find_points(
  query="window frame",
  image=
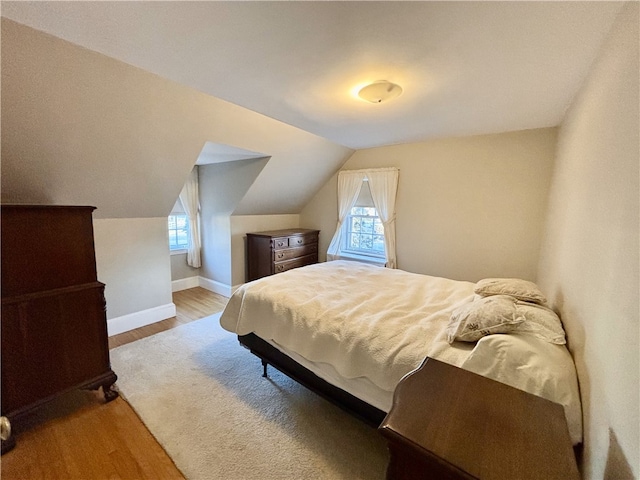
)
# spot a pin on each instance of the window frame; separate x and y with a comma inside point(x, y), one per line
point(364, 254)
point(178, 248)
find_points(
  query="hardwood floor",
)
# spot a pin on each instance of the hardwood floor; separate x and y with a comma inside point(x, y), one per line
point(80, 437)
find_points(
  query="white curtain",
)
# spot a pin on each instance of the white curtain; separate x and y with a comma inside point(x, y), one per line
point(383, 183)
point(349, 185)
point(189, 198)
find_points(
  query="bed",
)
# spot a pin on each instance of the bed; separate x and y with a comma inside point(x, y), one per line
point(351, 331)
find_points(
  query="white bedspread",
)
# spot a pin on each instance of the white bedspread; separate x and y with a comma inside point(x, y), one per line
point(379, 324)
point(364, 320)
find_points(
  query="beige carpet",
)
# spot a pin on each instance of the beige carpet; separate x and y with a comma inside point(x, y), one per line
point(203, 397)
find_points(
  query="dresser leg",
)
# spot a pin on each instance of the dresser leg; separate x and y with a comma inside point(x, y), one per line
point(264, 367)
point(109, 393)
point(107, 382)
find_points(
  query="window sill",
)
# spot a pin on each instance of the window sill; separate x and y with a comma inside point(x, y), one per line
point(380, 262)
point(178, 251)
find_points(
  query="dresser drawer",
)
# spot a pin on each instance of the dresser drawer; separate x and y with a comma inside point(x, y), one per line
point(301, 240)
point(280, 243)
point(290, 253)
point(298, 262)
point(294, 241)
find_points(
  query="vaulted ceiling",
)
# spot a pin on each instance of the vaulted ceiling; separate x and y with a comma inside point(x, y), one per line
point(115, 102)
point(81, 128)
point(466, 67)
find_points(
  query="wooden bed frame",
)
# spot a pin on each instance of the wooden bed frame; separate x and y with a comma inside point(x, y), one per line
point(274, 357)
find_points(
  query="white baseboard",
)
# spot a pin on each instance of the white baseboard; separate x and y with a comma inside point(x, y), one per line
point(216, 287)
point(185, 283)
point(140, 319)
point(211, 285)
point(146, 317)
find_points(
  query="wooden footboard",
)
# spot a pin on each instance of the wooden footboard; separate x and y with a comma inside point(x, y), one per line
point(274, 357)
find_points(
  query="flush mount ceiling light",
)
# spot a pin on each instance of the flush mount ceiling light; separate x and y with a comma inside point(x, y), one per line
point(380, 91)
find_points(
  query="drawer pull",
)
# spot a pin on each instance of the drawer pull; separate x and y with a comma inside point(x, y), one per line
point(281, 244)
point(280, 268)
point(299, 241)
point(280, 255)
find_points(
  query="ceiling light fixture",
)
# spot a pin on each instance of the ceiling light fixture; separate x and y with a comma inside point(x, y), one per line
point(380, 91)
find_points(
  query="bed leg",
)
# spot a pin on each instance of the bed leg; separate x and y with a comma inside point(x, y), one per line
point(264, 367)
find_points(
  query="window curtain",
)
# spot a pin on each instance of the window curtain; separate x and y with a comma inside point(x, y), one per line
point(383, 183)
point(349, 185)
point(189, 197)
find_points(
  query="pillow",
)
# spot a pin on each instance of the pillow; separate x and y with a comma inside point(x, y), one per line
point(520, 289)
point(541, 322)
point(484, 316)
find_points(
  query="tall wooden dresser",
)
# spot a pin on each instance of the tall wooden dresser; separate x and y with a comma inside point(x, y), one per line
point(277, 251)
point(54, 330)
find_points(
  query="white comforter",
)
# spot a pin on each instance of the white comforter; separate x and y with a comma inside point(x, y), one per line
point(365, 321)
point(380, 324)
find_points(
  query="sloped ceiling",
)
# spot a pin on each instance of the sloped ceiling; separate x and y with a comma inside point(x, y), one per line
point(217, 153)
point(81, 128)
point(119, 123)
point(466, 67)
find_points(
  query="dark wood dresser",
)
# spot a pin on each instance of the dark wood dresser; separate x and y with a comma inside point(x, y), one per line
point(277, 251)
point(447, 423)
point(54, 329)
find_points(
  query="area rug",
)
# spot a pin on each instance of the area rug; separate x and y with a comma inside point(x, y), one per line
point(203, 398)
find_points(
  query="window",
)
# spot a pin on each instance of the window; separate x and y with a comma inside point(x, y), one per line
point(361, 234)
point(178, 232)
point(364, 232)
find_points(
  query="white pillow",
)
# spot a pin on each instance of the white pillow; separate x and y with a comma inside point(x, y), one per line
point(520, 289)
point(541, 322)
point(484, 316)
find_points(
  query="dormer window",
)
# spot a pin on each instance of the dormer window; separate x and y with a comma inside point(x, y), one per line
point(178, 227)
point(178, 232)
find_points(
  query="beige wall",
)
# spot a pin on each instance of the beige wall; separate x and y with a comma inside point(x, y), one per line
point(221, 186)
point(132, 260)
point(467, 208)
point(180, 269)
point(589, 260)
point(81, 128)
